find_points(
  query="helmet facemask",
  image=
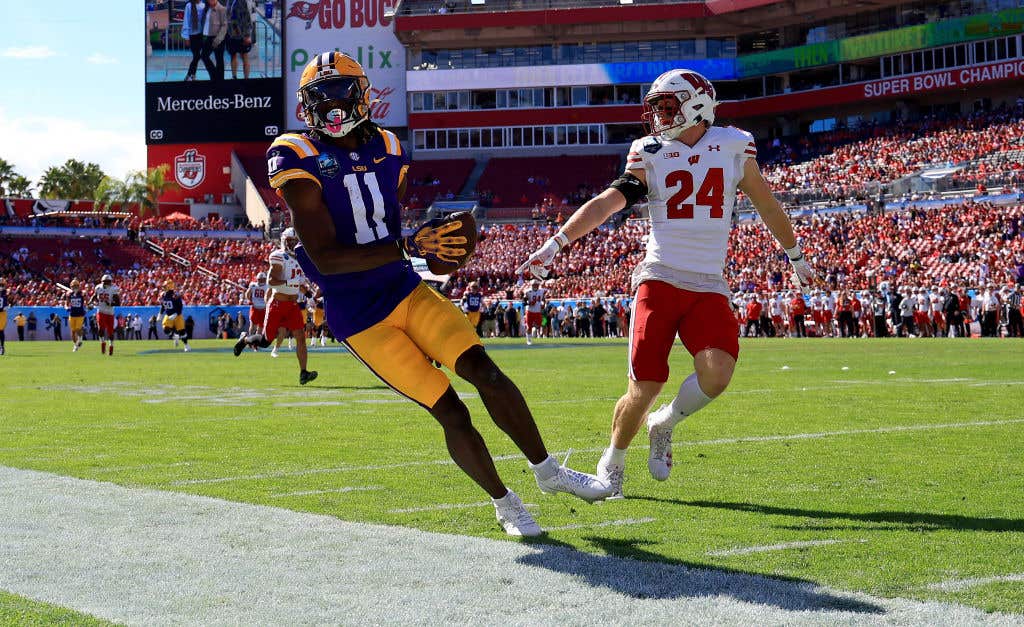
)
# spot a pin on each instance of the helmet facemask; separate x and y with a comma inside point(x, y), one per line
point(336, 105)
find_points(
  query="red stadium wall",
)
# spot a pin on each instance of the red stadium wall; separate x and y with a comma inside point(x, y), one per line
point(198, 169)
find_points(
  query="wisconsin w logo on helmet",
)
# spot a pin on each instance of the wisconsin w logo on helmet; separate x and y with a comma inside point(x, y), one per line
point(335, 94)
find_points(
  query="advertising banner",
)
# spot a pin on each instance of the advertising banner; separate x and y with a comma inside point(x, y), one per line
point(213, 70)
point(359, 29)
point(548, 75)
point(895, 87)
point(199, 168)
point(946, 32)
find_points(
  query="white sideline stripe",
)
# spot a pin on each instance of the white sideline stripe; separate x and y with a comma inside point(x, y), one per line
point(497, 458)
point(198, 560)
point(782, 546)
point(446, 506)
point(607, 523)
point(954, 585)
point(143, 467)
point(332, 491)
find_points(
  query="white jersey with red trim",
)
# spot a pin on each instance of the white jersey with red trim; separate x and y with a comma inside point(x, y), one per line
point(258, 295)
point(291, 272)
point(105, 298)
point(691, 194)
point(535, 300)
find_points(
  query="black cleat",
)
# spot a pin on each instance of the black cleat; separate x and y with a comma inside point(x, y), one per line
point(239, 346)
point(306, 376)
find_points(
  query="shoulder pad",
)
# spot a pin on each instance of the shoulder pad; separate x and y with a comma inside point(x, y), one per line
point(652, 145)
point(299, 144)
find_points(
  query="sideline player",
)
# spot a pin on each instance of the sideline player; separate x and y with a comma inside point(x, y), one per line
point(256, 294)
point(174, 320)
point(4, 304)
point(472, 302)
point(318, 319)
point(342, 182)
point(533, 305)
point(76, 314)
point(689, 171)
point(283, 312)
point(106, 296)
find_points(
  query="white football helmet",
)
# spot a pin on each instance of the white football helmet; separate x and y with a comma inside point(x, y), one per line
point(289, 239)
point(695, 97)
point(261, 278)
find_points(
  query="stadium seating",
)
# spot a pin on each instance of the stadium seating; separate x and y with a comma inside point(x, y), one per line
point(971, 243)
point(554, 181)
point(439, 179)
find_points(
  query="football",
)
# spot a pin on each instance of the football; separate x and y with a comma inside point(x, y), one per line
point(467, 229)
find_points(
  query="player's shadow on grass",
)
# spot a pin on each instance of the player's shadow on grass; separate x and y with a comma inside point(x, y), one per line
point(631, 570)
point(885, 521)
point(350, 387)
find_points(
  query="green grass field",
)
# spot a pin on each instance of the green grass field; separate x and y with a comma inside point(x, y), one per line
point(898, 461)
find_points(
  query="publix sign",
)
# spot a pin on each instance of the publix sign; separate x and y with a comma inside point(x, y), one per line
point(362, 31)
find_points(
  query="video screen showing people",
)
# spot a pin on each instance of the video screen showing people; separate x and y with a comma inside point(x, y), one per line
point(213, 40)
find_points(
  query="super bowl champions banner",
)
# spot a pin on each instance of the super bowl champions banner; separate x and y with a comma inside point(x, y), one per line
point(357, 28)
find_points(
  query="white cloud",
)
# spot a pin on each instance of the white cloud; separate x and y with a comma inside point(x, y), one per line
point(29, 52)
point(100, 59)
point(33, 143)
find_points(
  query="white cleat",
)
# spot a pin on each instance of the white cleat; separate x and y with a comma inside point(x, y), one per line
point(612, 474)
point(187, 349)
point(580, 484)
point(659, 461)
point(273, 353)
point(513, 517)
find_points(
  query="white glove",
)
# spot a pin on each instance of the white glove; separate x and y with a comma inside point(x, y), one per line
point(539, 263)
point(171, 317)
point(803, 274)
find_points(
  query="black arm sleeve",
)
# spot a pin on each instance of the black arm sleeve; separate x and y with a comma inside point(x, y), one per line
point(631, 187)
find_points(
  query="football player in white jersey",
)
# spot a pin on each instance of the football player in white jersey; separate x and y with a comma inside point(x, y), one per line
point(256, 294)
point(106, 296)
point(283, 312)
point(689, 171)
point(533, 303)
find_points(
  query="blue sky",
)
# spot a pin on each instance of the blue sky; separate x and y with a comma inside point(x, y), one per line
point(72, 84)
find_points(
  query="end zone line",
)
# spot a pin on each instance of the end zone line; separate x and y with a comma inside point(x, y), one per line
point(782, 546)
point(367, 488)
point(607, 523)
point(759, 438)
point(954, 585)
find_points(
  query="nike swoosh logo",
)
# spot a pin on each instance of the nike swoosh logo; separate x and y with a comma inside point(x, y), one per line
point(379, 160)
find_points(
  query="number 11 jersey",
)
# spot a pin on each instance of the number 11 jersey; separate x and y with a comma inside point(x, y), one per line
point(360, 189)
point(692, 192)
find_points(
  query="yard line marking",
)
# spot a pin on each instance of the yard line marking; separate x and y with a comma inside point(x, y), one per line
point(198, 560)
point(782, 546)
point(607, 523)
point(954, 585)
point(497, 458)
point(367, 488)
point(446, 506)
point(142, 467)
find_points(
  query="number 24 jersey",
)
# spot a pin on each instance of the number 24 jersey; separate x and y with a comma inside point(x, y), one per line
point(692, 192)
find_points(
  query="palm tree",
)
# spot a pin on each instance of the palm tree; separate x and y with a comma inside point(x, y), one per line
point(111, 192)
point(19, 187)
point(7, 173)
point(72, 181)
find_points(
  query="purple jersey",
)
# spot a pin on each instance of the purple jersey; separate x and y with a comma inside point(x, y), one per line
point(360, 189)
